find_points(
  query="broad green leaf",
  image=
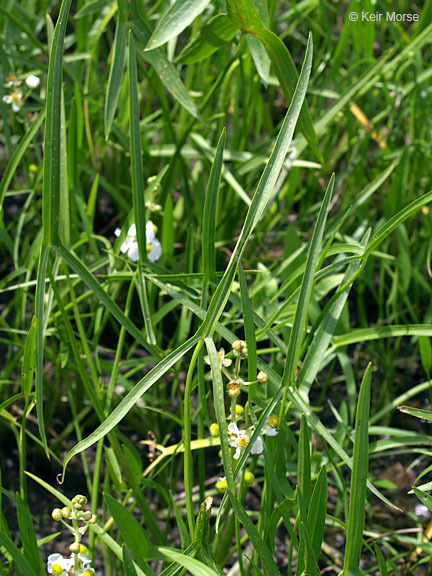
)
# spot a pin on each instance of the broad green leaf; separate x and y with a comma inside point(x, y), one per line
point(209, 216)
point(260, 547)
point(215, 33)
point(164, 69)
point(356, 516)
point(261, 196)
point(129, 400)
point(260, 57)
point(117, 68)
point(178, 16)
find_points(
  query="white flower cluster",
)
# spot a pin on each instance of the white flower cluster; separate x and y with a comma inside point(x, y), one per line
point(130, 245)
point(15, 97)
point(76, 564)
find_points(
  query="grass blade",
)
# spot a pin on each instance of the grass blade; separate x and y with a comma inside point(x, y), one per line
point(209, 216)
point(356, 516)
point(138, 186)
point(117, 68)
point(264, 553)
point(129, 400)
point(262, 195)
point(175, 20)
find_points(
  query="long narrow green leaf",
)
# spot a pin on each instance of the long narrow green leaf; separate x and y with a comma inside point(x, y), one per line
point(262, 195)
point(264, 553)
point(356, 517)
point(247, 18)
point(299, 326)
point(27, 534)
point(52, 140)
point(219, 405)
point(175, 20)
point(417, 412)
point(40, 322)
point(90, 281)
point(317, 511)
point(17, 156)
point(118, 63)
point(17, 555)
point(129, 400)
point(367, 334)
point(138, 186)
point(209, 216)
point(164, 68)
point(215, 33)
point(29, 359)
point(304, 463)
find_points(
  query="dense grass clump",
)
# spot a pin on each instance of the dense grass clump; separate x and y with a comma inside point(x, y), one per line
point(215, 287)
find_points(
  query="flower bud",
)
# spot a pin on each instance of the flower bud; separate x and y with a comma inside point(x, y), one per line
point(239, 410)
point(262, 377)
point(214, 430)
point(66, 512)
point(79, 501)
point(233, 388)
point(56, 514)
point(93, 519)
point(86, 516)
point(56, 569)
point(248, 478)
point(74, 547)
point(82, 549)
point(221, 486)
point(240, 348)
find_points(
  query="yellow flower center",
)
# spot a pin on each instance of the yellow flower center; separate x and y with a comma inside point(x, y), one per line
point(57, 569)
point(233, 388)
point(12, 77)
point(15, 96)
point(148, 248)
point(273, 421)
point(243, 442)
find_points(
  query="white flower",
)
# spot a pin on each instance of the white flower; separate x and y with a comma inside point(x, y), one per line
point(271, 426)
point(221, 357)
point(32, 81)
point(130, 245)
point(239, 439)
point(13, 98)
point(58, 565)
point(12, 80)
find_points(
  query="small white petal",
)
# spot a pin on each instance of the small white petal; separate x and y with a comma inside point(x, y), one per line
point(117, 232)
point(237, 453)
point(257, 446)
point(133, 252)
point(132, 230)
point(155, 251)
point(15, 107)
point(233, 429)
point(150, 232)
point(32, 81)
point(270, 431)
point(7, 99)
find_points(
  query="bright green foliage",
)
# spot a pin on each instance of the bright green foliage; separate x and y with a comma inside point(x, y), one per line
point(207, 400)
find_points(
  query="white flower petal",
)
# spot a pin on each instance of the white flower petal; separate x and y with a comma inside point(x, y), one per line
point(132, 230)
point(257, 446)
point(155, 251)
point(117, 232)
point(133, 252)
point(237, 453)
point(233, 429)
point(32, 81)
point(7, 99)
point(150, 232)
point(270, 431)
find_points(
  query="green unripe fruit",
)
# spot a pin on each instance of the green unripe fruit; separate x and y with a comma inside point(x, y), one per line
point(214, 430)
point(221, 486)
point(248, 478)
